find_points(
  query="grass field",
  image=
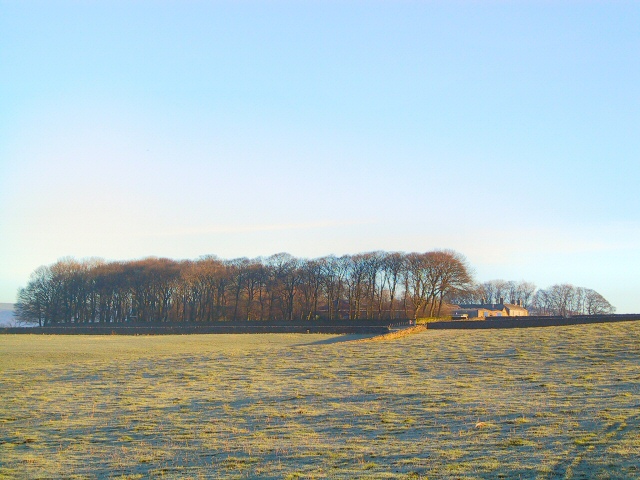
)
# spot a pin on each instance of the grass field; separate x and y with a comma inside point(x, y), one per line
point(531, 403)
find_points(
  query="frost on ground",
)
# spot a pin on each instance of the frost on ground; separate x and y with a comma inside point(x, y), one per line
point(531, 403)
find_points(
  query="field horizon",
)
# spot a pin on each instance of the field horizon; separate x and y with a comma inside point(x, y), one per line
point(555, 402)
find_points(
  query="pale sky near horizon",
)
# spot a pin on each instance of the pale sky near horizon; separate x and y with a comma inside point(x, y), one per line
point(508, 131)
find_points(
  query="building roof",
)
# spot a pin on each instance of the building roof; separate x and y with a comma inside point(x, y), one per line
point(484, 306)
point(513, 307)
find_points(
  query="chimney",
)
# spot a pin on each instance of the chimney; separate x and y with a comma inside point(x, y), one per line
point(501, 300)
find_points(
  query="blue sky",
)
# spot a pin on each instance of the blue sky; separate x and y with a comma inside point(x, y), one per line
point(505, 130)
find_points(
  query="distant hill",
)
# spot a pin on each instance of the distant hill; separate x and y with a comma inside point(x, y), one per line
point(7, 314)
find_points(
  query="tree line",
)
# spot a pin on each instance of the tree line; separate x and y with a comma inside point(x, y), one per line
point(373, 285)
point(560, 299)
point(565, 299)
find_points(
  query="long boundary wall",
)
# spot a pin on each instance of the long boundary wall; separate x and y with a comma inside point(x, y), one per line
point(351, 327)
point(529, 322)
point(187, 329)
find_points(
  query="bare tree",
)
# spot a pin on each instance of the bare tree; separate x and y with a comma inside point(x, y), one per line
point(524, 292)
point(334, 272)
point(596, 304)
point(310, 287)
point(287, 278)
point(394, 265)
point(35, 300)
point(453, 274)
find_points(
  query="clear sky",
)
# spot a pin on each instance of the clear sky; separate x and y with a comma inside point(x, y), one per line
point(508, 131)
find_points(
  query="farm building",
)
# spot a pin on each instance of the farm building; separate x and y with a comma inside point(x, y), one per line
point(482, 310)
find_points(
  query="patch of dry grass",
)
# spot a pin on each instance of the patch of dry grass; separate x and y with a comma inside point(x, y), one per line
point(395, 334)
point(533, 403)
